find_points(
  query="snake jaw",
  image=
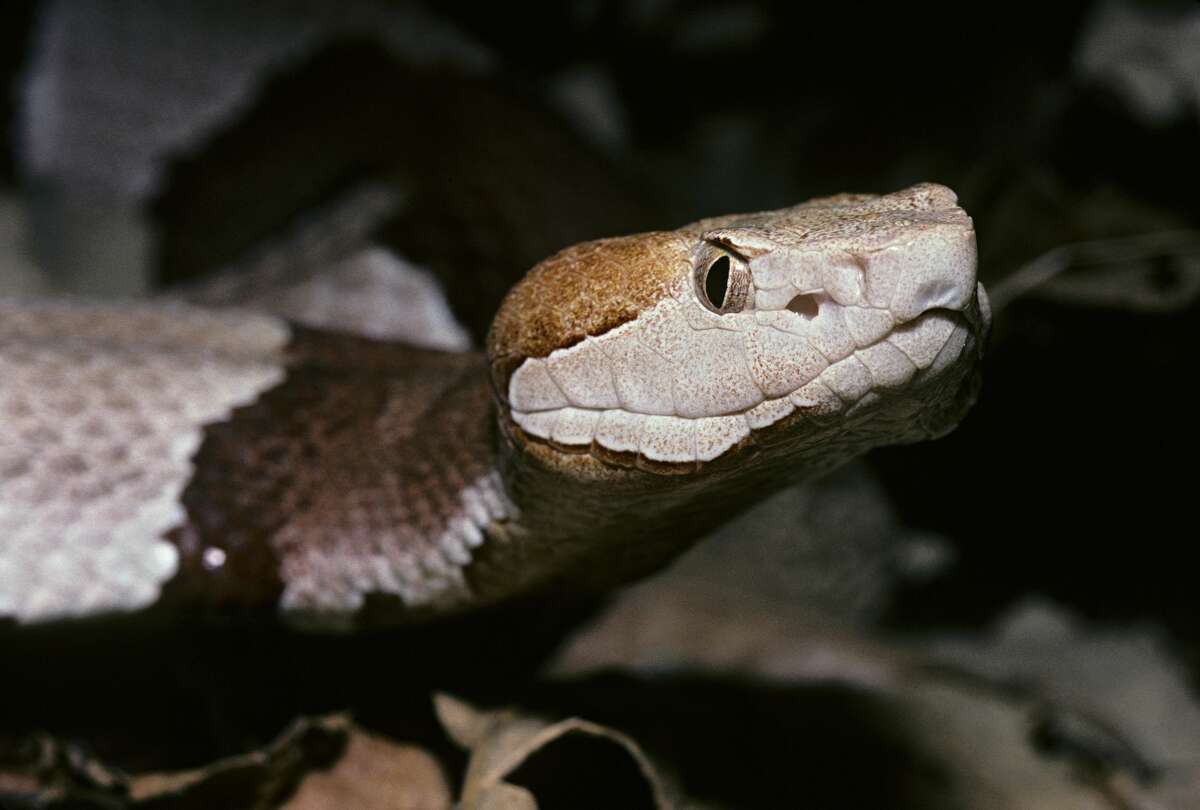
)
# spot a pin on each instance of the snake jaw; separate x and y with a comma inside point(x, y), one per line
point(864, 309)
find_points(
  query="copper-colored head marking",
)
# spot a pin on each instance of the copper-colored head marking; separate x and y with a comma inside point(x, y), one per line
point(584, 290)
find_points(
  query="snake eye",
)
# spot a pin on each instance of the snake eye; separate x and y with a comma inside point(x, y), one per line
point(716, 282)
point(722, 281)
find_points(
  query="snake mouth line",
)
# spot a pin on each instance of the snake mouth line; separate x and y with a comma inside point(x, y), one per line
point(927, 344)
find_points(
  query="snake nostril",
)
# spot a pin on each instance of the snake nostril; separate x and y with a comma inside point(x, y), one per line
point(805, 305)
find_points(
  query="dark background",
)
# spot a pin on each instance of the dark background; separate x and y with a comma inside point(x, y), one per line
point(1073, 478)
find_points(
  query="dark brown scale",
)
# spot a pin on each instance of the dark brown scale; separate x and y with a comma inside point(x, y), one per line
point(342, 453)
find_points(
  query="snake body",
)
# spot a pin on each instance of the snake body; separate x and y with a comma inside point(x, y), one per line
point(635, 392)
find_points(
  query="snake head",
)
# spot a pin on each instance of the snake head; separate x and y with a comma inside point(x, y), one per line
point(804, 336)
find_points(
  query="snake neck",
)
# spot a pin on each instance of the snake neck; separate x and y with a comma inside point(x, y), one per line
point(579, 525)
point(570, 525)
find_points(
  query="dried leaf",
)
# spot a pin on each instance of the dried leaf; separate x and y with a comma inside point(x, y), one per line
point(1042, 715)
point(502, 797)
point(375, 774)
point(521, 762)
point(324, 763)
point(259, 779)
point(1114, 697)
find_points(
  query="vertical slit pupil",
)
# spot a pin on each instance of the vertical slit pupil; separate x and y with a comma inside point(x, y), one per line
point(716, 282)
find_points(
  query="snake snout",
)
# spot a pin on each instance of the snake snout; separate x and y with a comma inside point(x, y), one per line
point(938, 271)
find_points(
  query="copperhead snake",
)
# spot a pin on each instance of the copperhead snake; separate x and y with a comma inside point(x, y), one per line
point(635, 392)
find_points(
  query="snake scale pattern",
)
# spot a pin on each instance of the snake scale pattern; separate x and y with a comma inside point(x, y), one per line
point(635, 392)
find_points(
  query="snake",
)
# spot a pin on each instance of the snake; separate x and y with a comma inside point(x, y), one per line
point(634, 393)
